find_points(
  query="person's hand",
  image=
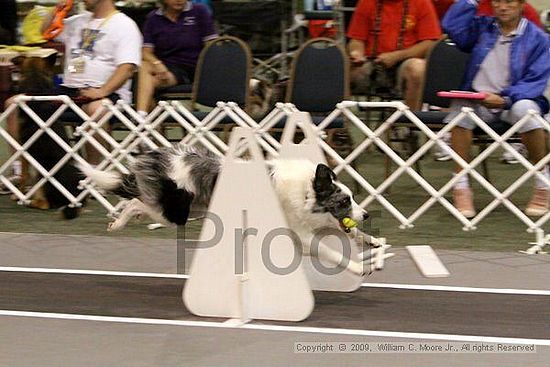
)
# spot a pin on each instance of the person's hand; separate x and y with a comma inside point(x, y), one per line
point(493, 101)
point(93, 93)
point(160, 71)
point(61, 3)
point(388, 59)
point(357, 57)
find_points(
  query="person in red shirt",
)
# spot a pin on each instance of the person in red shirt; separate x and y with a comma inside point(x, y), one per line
point(392, 38)
point(485, 8)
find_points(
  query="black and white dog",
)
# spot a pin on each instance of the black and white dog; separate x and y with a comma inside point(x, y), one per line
point(169, 183)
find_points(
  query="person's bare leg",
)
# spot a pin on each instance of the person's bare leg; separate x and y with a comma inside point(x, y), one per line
point(413, 74)
point(535, 142)
point(12, 122)
point(93, 155)
point(148, 83)
point(461, 141)
point(13, 128)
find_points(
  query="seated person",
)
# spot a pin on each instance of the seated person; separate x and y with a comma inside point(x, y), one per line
point(102, 51)
point(391, 39)
point(173, 37)
point(485, 8)
point(509, 63)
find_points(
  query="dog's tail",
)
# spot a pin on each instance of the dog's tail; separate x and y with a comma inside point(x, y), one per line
point(124, 185)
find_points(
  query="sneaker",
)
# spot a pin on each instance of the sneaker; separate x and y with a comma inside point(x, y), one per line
point(441, 152)
point(464, 202)
point(538, 205)
point(15, 180)
point(508, 158)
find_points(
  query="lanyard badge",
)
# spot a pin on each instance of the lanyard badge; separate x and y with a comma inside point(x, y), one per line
point(77, 63)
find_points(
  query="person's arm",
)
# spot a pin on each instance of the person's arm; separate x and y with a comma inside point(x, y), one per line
point(148, 55)
point(159, 69)
point(462, 25)
point(49, 17)
point(207, 29)
point(426, 32)
point(420, 50)
point(126, 55)
point(122, 73)
point(356, 50)
point(534, 79)
point(358, 32)
point(148, 49)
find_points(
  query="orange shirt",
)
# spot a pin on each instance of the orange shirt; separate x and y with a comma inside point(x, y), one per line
point(421, 24)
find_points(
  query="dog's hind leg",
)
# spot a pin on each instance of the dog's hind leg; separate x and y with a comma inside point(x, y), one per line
point(133, 208)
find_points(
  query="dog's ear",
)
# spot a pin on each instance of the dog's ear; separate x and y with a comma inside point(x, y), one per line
point(323, 182)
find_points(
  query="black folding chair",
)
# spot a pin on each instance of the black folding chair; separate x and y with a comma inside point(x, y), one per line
point(319, 79)
point(222, 75)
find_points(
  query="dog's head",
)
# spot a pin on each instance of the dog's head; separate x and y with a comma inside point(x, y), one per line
point(334, 197)
point(36, 75)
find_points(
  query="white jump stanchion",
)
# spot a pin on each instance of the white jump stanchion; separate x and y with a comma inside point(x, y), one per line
point(230, 278)
point(343, 281)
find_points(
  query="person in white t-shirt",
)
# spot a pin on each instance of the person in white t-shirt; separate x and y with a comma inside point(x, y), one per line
point(102, 52)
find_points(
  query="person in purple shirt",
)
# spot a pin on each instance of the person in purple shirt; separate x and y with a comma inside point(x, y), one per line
point(173, 37)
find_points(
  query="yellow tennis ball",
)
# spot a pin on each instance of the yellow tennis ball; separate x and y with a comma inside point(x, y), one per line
point(349, 223)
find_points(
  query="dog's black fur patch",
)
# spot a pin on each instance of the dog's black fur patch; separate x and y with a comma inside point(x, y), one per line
point(175, 202)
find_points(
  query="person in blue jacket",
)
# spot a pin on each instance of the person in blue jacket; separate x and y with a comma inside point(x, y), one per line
point(510, 63)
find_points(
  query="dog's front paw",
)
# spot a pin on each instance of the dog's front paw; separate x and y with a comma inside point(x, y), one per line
point(377, 242)
point(374, 258)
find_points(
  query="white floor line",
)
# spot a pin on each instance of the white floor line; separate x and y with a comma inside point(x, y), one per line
point(444, 288)
point(92, 272)
point(267, 327)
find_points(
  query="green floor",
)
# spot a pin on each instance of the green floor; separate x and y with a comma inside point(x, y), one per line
point(501, 231)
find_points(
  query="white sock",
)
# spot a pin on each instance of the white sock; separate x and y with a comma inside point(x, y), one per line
point(463, 182)
point(143, 114)
point(539, 183)
point(16, 167)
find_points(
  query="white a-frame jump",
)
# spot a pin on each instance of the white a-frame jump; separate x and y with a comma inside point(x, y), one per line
point(308, 148)
point(252, 274)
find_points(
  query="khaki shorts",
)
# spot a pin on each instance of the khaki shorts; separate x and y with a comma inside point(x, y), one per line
point(363, 81)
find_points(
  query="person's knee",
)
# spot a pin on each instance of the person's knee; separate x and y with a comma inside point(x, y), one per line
point(10, 101)
point(519, 110)
point(522, 107)
point(92, 107)
point(414, 70)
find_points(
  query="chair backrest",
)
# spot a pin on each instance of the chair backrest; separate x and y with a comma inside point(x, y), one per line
point(445, 69)
point(319, 76)
point(223, 73)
